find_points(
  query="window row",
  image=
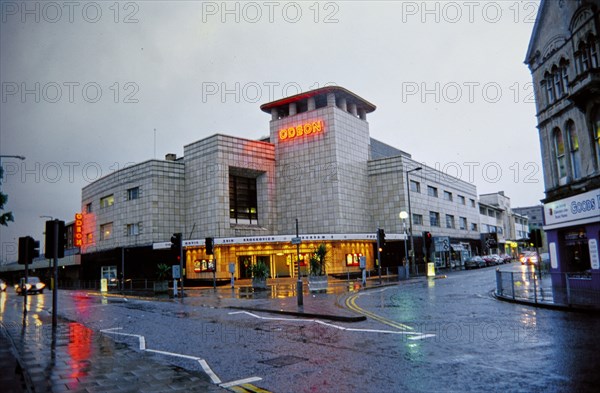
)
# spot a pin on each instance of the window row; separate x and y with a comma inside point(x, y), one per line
point(109, 200)
point(555, 84)
point(106, 231)
point(566, 152)
point(415, 186)
point(434, 221)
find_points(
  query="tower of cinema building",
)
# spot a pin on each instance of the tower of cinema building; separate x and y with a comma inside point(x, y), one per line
point(319, 165)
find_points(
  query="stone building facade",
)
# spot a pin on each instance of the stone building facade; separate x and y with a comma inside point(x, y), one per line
point(565, 66)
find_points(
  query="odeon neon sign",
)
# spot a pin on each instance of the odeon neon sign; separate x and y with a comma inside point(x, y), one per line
point(313, 127)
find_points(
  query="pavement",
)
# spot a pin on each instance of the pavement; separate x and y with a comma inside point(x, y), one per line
point(36, 358)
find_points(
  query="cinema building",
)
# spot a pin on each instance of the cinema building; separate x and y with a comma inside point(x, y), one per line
point(318, 165)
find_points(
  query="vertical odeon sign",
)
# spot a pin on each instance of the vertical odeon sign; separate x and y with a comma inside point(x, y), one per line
point(78, 230)
point(301, 130)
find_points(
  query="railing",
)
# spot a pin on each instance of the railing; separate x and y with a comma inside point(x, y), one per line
point(523, 286)
point(532, 287)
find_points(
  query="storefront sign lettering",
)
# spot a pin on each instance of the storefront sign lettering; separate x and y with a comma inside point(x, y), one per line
point(583, 206)
point(301, 130)
point(78, 230)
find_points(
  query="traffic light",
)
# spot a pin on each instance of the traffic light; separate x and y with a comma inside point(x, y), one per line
point(209, 242)
point(535, 237)
point(427, 240)
point(381, 237)
point(49, 240)
point(34, 249)
point(28, 249)
point(176, 244)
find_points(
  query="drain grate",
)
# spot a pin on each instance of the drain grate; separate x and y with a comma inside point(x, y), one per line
point(282, 361)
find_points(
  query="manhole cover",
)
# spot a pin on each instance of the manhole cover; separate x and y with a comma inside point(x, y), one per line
point(283, 361)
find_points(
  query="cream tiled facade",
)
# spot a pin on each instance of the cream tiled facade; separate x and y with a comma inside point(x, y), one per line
point(319, 165)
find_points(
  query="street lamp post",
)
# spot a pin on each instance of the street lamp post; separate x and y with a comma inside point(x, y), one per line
point(403, 216)
point(410, 223)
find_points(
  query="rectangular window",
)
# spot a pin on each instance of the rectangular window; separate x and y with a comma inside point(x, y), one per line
point(242, 200)
point(491, 213)
point(434, 219)
point(461, 200)
point(133, 229)
point(472, 202)
point(88, 207)
point(107, 201)
point(432, 191)
point(415, 186)
point(491, 229)
point(106, 231)
point(447, 196)
point(463, 223)
point(417, 219)
point(474, 226)
point(89, 238)
point(482, 210)
point(133, 193)
point(449, 221)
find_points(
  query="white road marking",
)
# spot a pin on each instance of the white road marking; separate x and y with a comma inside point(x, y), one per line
point(412, 335)
point(213, 376)
point(209, 371)
point(239, 382)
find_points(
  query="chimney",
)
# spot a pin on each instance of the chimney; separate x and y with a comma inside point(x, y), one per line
point(170, 157)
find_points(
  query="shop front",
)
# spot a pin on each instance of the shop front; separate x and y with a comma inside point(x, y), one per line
point(278, 254)
point(573, 231)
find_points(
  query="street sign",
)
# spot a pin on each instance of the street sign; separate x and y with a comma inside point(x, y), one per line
point(161, 246)
point(441, 243)
point(362, 262)
point(176, 272)
point(296, 240)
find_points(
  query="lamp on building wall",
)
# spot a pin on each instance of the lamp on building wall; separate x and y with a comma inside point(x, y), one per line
point(410, 223)
point(403, 216)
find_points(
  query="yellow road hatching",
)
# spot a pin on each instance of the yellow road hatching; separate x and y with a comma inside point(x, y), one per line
point(351, 304)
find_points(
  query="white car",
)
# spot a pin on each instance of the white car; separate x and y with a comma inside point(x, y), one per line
point(33, 285)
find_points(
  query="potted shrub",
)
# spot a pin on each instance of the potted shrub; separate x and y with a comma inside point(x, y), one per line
point(259, 272)
point(163, 273)
point(317, 279)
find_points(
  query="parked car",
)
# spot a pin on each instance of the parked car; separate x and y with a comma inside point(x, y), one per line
point(491, 260)
point(506, 258)
point(33, 285)
point(474, 263)
point(2, 285)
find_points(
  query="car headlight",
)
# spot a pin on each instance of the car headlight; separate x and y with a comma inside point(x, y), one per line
point(28, 286)
point(39, 285)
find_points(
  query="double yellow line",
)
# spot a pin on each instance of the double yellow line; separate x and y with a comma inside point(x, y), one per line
point(248, 388)
point(351, 304)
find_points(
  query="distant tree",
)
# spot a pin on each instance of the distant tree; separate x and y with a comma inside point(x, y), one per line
point(4, 217)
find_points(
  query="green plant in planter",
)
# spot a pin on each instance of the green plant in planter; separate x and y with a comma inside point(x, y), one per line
point(259, 271)
point(317, 261)
point(163, 271)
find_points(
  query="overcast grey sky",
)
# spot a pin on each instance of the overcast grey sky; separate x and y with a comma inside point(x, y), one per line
point(84, 85)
